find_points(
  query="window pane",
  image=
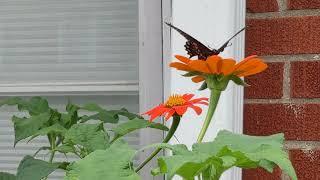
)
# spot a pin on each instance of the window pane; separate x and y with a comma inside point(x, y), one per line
point(44, 41)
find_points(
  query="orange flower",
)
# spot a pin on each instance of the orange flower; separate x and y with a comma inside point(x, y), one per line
point(176, 104)
point(216, 65)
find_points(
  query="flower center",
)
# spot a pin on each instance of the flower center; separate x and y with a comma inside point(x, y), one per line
point(175, 100)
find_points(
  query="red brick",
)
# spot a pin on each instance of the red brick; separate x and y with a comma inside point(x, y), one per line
point(261, 174)
point(303, 4)
point(255, 6)
point(268, 84)
point(305, 79)
point(288, 35)
point(296, 121)
point(306, 164)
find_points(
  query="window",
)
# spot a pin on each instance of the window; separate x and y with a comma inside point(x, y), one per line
point(88, 51)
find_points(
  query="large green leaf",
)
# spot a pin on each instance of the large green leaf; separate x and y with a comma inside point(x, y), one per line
point(227, 150)
point(135, 124)
point(35, 169)
point(7, 176)
point(114, 163)
point(35, 106)
point(26, 127)
point(90, 136)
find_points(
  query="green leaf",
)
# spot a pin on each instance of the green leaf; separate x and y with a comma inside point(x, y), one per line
point(56, 129)
point(35, 169)
point(112, 163)
point(237, 80)
point(102, 115)
point(35, 106)
point(26, 127)
point(90, 136)
point(7, 176)
point(135, 124)
point(227, 150)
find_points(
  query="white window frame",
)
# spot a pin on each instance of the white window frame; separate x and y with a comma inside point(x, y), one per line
point(150, 72)
point(184, 15)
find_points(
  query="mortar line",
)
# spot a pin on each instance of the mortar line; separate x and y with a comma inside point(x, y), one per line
point(286, 81)
point(283, 14)
point(283, 101)
point(291, 58)
point(302, 145)
point(282, 4)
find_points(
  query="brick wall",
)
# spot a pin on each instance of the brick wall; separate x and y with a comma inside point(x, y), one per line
point(286, 97)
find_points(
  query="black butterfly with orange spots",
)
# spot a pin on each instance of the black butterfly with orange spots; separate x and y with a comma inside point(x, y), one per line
point(196, 48)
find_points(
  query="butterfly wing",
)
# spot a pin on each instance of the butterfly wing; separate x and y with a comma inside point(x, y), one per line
point(221, 49)
point(193, 46)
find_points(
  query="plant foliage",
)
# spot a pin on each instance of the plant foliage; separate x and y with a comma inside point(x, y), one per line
point(68, 132)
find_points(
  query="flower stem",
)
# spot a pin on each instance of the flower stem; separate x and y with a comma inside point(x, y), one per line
point(172, 130)
point(214, 99)
point(51, 156)
point(52, 140)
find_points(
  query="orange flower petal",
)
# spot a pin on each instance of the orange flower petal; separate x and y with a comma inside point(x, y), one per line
point(227, 66)
point(183, 59)
point(157, 113)
point(204, 103)
point(181, 109)
point(197, 79)
point(244, 61)
point(187, 97)
point(199, 65)
point(198, 100)
point(180, 66)
point(213, 62)
point(170, 114)
point(197, 109)
point(249, 66)
point(257, 69)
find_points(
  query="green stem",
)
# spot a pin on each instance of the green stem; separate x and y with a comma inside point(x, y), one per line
point(214, 99)
point(51, 156)
point(53, 147)
point(174, 126)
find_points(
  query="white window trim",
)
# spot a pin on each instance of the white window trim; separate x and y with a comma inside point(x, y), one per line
point(150, 73)
point(235, 93)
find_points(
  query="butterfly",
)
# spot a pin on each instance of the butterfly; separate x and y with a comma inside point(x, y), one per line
point(196, 48)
